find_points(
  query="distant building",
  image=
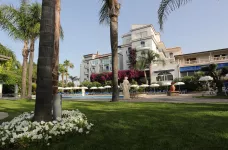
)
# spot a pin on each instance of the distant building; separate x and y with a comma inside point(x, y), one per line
point(144, 38)
point(96, 63)
point(193, 62)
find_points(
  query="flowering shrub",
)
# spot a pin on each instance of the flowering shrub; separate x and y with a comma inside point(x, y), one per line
point(21, 131)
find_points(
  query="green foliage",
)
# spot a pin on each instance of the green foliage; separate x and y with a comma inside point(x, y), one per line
point(7, 52)
point(192, 82)
point(108, 83)
point(133, 82)
point(70, 84)
point(86, 84)
point(9, 73)
point(34, 88)
point(96, 84)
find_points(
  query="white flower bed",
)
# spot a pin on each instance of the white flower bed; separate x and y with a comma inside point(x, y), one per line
point(22, 130)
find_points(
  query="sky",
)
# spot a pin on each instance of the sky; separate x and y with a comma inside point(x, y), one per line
point(199, 26)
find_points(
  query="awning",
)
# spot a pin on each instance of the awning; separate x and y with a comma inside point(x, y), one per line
point(169, 70)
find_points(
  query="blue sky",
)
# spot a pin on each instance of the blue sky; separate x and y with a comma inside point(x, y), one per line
point(201, 25)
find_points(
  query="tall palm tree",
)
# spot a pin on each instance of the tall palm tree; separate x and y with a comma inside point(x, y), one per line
point(15, 22)
point(67, 64)
point(109, 14)
point(43, 106)
point(146, 61)
point(212, 70)
point(166, 7)
point(62, 72)
point(34, 23)
point(73, 78)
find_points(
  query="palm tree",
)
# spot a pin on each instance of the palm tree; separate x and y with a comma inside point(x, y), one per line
point(146, 61)
point(73, 78)
point(34, 23)
point(109, 14)
point(212, 70)
point(62, 72)
point(43, 106)
point(15, 22)
point(166, 7)
point(67, 64)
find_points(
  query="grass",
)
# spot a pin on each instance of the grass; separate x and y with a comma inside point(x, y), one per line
point(212, 97)
point(144, 126)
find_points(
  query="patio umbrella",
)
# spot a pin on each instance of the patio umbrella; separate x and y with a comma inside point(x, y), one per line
point(179, 83)
point(134, 86)
point(68, 88)
point(144, 86)
point(166, 84)
point(206, 78)
point(108, 87)
point(93, 88)
point(84, 88)
point(154, 85)
point(60, 88)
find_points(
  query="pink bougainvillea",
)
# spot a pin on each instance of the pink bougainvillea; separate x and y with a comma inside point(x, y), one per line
point(107, 76)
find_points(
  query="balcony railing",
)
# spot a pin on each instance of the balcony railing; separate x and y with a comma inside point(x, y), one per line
point(204, 61)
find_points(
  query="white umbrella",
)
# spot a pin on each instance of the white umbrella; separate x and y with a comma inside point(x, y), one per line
point(76, 88)
point(101, 88)
point(154, 85)
point(166, 84)
point(84, 88)
point(134, 86)
point(108, 87)
point(68, 88)
point(206, 78)
point(93, 88)
point(60, 88)
point(179, 83)
point(144, 85)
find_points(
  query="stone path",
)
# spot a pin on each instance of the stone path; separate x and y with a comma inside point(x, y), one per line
point(3, 115)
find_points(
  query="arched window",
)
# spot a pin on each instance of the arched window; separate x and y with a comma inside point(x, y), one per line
point(171, 55)
point(165, 76)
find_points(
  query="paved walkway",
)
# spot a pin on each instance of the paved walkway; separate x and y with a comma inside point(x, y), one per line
point(3, 115)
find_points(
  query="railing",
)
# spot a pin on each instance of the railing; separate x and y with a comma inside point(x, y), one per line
point(204, 61)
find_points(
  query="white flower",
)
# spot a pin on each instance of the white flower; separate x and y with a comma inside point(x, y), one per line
point(48, 144)
point(80, 130)
point(58, 119)
point(87, 132)
point(12, 140)
point(42, 122)
point(3, 143)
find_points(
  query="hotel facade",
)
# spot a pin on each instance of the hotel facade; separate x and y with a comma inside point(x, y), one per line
point(144, 38)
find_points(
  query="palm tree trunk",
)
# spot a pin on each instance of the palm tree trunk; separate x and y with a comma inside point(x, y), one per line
point(145, 76)
point(55, 62)
point(43, 106)
point(31, 57)
point(24, 69)
point(151, 73)
point(66, 73)
point(114, 47)
point(62, 80)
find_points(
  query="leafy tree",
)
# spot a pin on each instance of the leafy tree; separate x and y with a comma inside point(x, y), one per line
point(15, 22)
point(109, 14)
point(145, 61)
point(62, 72)
point(7, 52)
point(67, 64)
point(217, 74)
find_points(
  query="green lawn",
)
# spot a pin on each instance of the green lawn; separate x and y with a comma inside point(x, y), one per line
point(144, 126)
point(212, 97)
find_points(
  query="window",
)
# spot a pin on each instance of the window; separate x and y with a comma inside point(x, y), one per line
point(143, 43)
point(183, 74)
point(165, 76)
point(107, 68)
point(191, 60)
point(171, 55)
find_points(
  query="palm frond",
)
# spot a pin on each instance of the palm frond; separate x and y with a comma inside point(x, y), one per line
point(166, 7)
point(104, 12)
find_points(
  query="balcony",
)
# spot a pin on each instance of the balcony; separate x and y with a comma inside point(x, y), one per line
point(204, 61)
point(86, 73)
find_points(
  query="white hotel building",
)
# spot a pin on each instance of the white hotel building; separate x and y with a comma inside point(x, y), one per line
point(143, 38)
